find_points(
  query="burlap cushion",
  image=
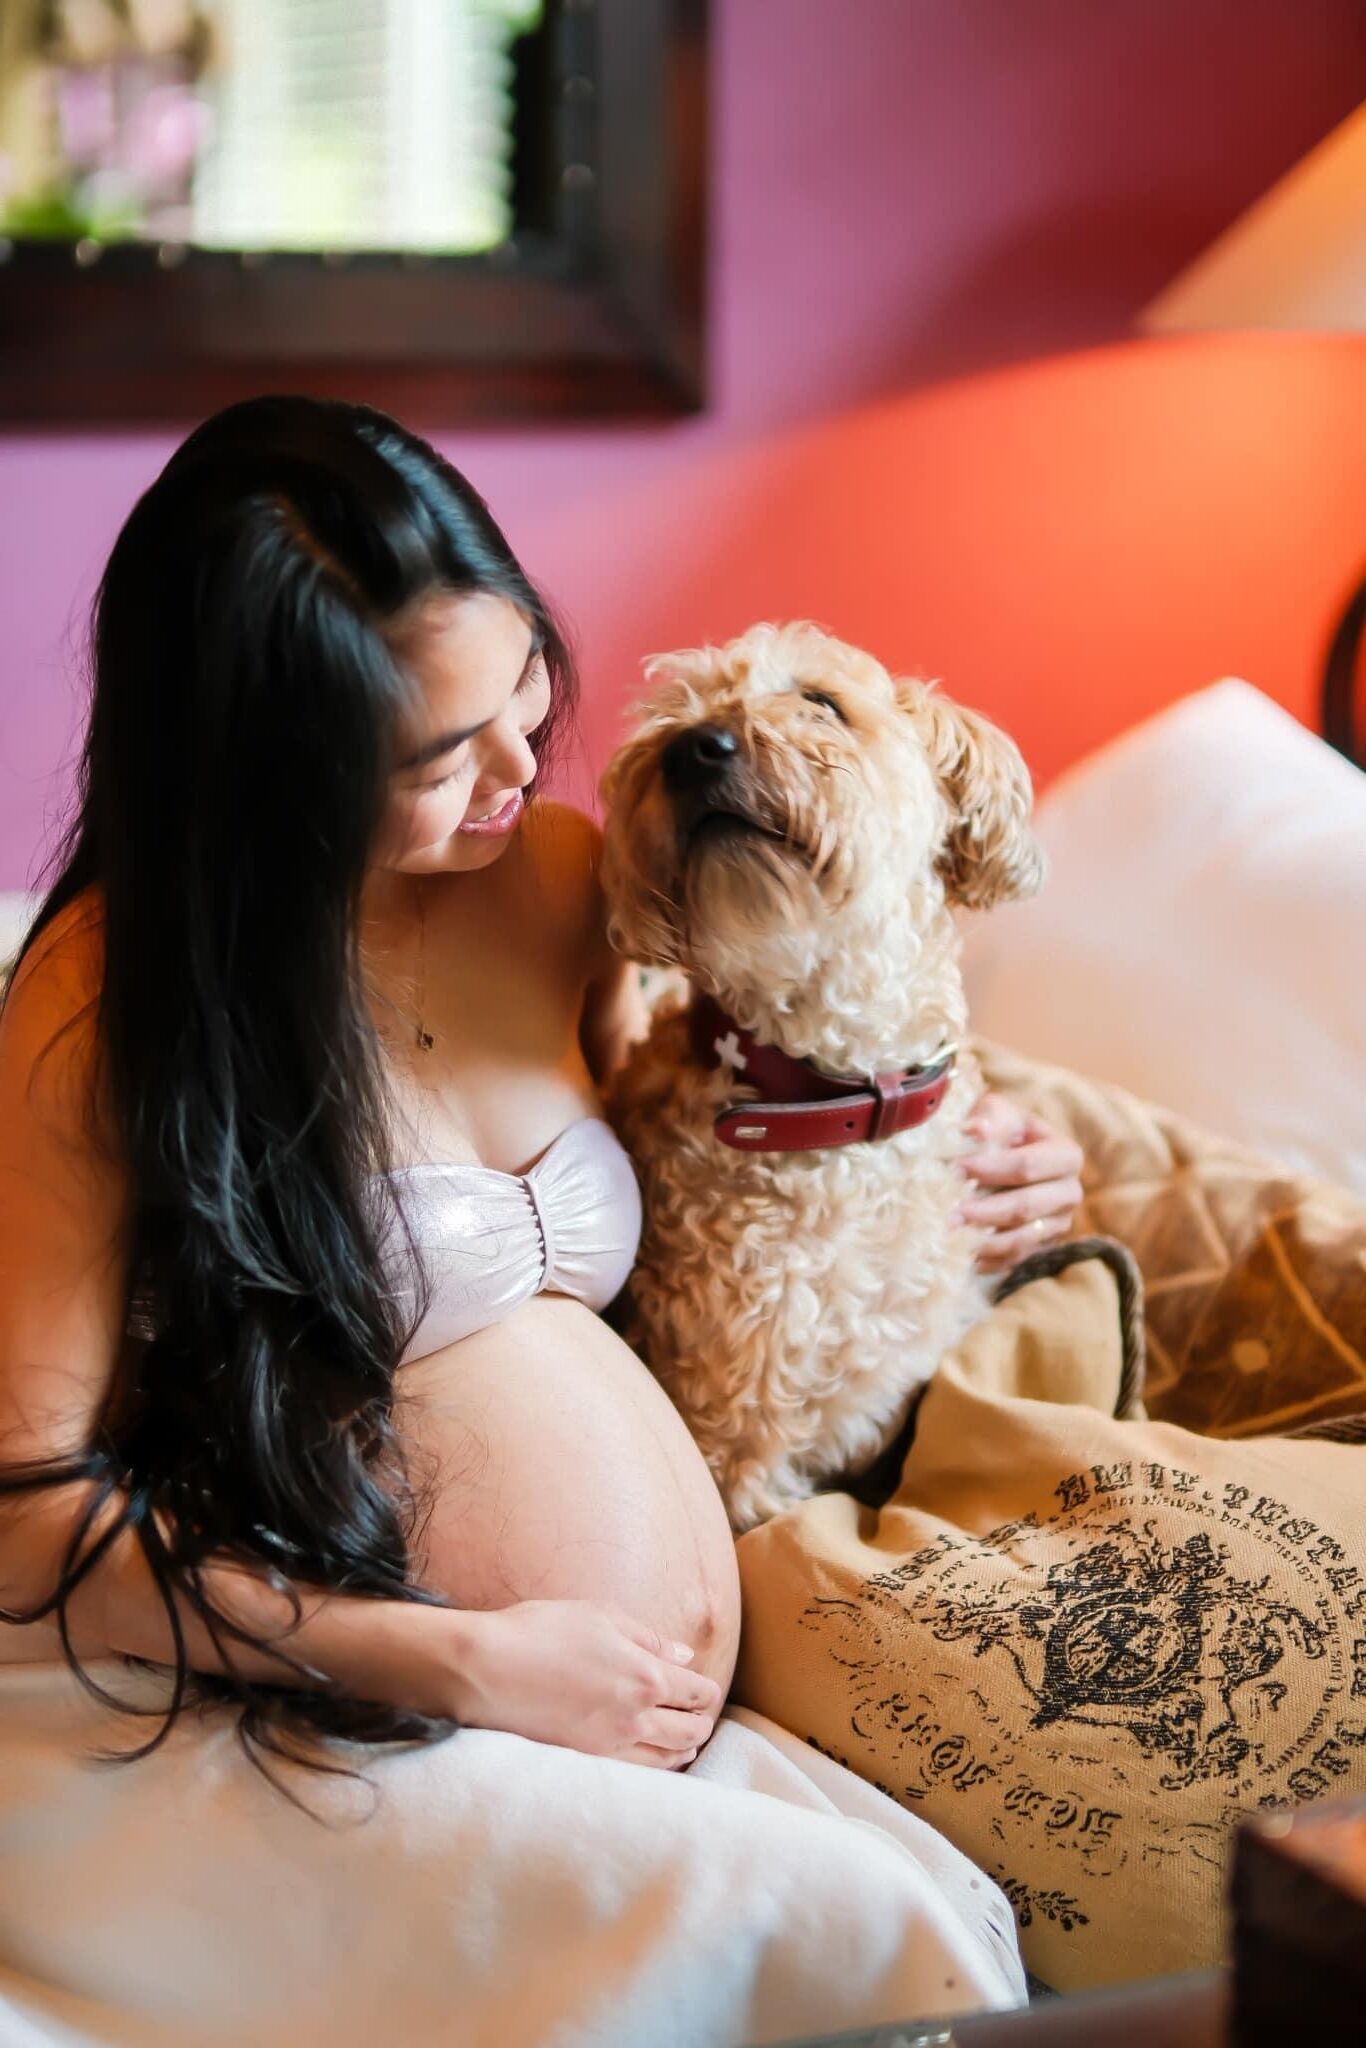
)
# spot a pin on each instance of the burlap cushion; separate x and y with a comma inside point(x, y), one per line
point(1255, 1277)
point(1081, 1647)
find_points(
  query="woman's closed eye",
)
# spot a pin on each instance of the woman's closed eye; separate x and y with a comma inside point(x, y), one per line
point(442, 781)
point(533, 674)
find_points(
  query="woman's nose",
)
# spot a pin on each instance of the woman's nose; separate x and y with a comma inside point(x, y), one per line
point(515, 762)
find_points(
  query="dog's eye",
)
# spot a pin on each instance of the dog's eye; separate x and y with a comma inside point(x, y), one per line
point(819, 697)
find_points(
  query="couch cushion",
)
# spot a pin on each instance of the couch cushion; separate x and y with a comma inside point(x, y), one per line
point(1201, 933)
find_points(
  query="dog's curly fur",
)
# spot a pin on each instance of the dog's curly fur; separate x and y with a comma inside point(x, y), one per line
point(792, 1303)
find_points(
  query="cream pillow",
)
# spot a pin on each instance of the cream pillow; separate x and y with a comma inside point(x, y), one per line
point(1201, 935)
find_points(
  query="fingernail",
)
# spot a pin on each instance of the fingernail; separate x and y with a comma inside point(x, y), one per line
point(957, 1216)
point(682, 1654)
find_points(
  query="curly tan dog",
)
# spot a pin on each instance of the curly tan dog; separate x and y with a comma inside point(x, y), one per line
point(790, 827)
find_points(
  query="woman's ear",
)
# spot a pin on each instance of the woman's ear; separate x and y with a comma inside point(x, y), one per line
point(990, 855)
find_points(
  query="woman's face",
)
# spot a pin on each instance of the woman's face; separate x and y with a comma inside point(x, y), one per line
point(456, 798)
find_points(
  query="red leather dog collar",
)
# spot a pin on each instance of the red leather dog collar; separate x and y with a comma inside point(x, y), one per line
point(805, 1110)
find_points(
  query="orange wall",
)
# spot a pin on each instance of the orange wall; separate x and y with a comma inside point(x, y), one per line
point(1068, 544)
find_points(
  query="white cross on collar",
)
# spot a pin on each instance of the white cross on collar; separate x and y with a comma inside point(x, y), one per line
point(728, 1051)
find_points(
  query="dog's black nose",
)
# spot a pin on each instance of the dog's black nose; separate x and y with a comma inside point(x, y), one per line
point(697, 756)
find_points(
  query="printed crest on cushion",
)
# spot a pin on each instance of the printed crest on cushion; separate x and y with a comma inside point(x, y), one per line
point(1254, 1277)
point(1080, 1647)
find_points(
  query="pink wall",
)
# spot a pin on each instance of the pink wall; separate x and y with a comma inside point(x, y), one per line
point(919, 207)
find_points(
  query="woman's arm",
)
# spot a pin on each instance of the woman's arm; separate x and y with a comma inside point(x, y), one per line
point(397, 1653)
point(571, 1672)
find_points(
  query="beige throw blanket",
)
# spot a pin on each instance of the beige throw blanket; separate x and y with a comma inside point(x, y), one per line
point(1080, 1646)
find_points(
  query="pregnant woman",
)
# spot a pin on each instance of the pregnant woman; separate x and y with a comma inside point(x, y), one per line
point(306, 1203)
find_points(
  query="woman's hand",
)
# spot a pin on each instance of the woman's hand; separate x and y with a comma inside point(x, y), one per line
point(1025, 1182)
point(585, 1676)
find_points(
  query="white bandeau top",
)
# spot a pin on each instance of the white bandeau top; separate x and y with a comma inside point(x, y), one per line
point(491, 1240)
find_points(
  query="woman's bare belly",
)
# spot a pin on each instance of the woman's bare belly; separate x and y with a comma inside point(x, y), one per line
point(555, 1467)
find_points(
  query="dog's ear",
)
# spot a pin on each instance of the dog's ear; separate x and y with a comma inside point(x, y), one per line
point(990, 856)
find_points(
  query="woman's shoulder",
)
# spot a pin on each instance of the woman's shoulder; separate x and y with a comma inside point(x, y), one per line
point(49, 1030)
point(563, 853)
point(564, 850)
point(62, 967)
point(565, 841)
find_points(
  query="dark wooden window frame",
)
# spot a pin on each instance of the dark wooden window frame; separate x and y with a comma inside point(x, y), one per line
point(596, 308)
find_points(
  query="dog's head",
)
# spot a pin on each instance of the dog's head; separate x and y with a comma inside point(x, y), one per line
point(784, 798)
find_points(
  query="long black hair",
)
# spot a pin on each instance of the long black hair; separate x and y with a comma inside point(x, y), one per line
point(242, 731)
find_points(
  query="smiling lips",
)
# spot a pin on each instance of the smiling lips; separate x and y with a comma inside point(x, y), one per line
point(500, 821)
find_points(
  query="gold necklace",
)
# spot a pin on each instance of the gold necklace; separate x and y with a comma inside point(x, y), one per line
point(390, 988)
point(424, 1039)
